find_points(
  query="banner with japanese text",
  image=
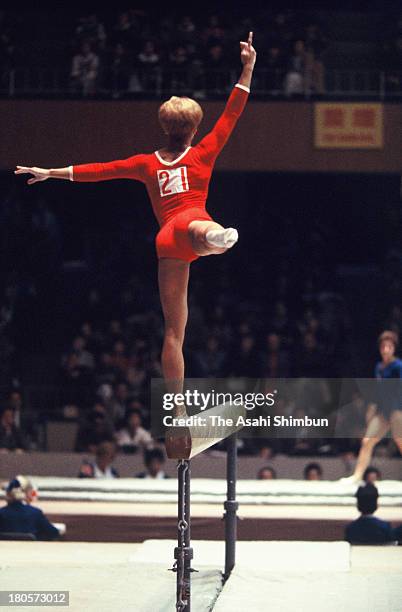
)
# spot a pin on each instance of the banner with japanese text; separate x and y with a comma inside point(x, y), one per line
point(348, 125)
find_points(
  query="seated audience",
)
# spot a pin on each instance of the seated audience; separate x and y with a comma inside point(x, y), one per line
point(266, 473)
point(133, 435)
point(368, 529)
point(313, 471)
point(102, 466)
point(154, 460)
point(18, 516)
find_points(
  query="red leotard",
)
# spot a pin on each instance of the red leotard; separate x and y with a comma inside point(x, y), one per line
point(178, 190)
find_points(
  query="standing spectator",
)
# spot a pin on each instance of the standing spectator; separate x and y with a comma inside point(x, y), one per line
point(102, 466)
point(215, 65)
point(90, 29)
point(84, 70)
point(148, 60)
point(275, 70)
point(294, 79)
point(119, 71)
point(154, 460)
point(178, 69)
point(11, 438)
point(133, 436)
point(312, 471)
point(315, 46)
point(20, 517)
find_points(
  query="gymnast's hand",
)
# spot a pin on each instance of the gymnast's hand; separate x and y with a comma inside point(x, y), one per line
point(39, 174)
point(248, 54)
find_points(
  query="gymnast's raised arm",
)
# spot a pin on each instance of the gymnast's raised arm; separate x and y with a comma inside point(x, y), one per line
point(130, 168)
point(212, 144)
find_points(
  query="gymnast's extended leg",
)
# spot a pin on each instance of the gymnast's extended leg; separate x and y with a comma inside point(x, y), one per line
point(173, 275)
point(210, 238)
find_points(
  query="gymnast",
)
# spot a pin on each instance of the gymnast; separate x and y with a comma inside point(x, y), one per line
point(176, 178)
point(386, 414)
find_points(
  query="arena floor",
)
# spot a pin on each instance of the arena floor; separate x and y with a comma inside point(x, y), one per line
point(279, 576)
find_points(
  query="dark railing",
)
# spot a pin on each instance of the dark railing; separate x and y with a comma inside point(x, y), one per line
point(199, 83)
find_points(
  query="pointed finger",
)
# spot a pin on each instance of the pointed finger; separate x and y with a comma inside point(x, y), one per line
point(250, 39)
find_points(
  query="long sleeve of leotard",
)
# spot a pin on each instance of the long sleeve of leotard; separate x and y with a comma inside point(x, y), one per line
point(130, 168)
point(212, 144)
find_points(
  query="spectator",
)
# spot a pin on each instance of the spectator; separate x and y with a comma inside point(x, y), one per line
point(148, 60)
point(266, 473)
point(84, 70)
point(118, 70)
point(118, 405)
point(275, 359)
point(95, 429)
point(178, 69)
point(211, 359)
point(312, 471)
point(309, 357)
point(371, 475)
point(119, 357)
point(246, 361)
point(133, 435)
point(11, 437)
point(154, 460)
point(102, 466)
point(18, 516)
point(294, 79)
point(275, 70)
point(368, 529)
point(75, 381)
point(90, 29)
point(85, 359)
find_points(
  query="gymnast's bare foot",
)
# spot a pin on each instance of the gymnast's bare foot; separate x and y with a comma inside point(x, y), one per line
point(350, 479)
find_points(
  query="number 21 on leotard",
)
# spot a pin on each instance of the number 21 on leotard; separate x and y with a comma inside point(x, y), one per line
point(173, 180)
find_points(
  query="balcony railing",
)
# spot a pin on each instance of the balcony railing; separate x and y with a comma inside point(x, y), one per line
point(201, 84)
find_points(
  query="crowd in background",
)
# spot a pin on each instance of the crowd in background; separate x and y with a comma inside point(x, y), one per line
point(139, 51)
point(94, 340)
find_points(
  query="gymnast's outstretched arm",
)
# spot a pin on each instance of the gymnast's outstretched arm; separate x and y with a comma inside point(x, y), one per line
point(130, 168)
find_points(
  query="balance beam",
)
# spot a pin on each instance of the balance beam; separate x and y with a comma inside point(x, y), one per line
point(188, 442)
point(183, 443)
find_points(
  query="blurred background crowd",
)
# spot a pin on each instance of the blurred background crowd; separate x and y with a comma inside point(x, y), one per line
point(81, 326)
point(148, 52)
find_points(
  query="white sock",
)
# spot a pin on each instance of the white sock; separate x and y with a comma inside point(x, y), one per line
point(222, 238)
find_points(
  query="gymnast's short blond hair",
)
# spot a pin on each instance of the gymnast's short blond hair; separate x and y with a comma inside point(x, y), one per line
point(180, 116)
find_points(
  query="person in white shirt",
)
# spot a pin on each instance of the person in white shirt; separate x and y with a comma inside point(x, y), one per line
point(133, 435)
point(102, 466)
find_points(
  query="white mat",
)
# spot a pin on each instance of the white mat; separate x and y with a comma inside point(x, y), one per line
point(267, 556)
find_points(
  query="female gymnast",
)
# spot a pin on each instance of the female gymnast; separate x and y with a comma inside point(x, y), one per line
point(387, 413)
point(176, 178)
